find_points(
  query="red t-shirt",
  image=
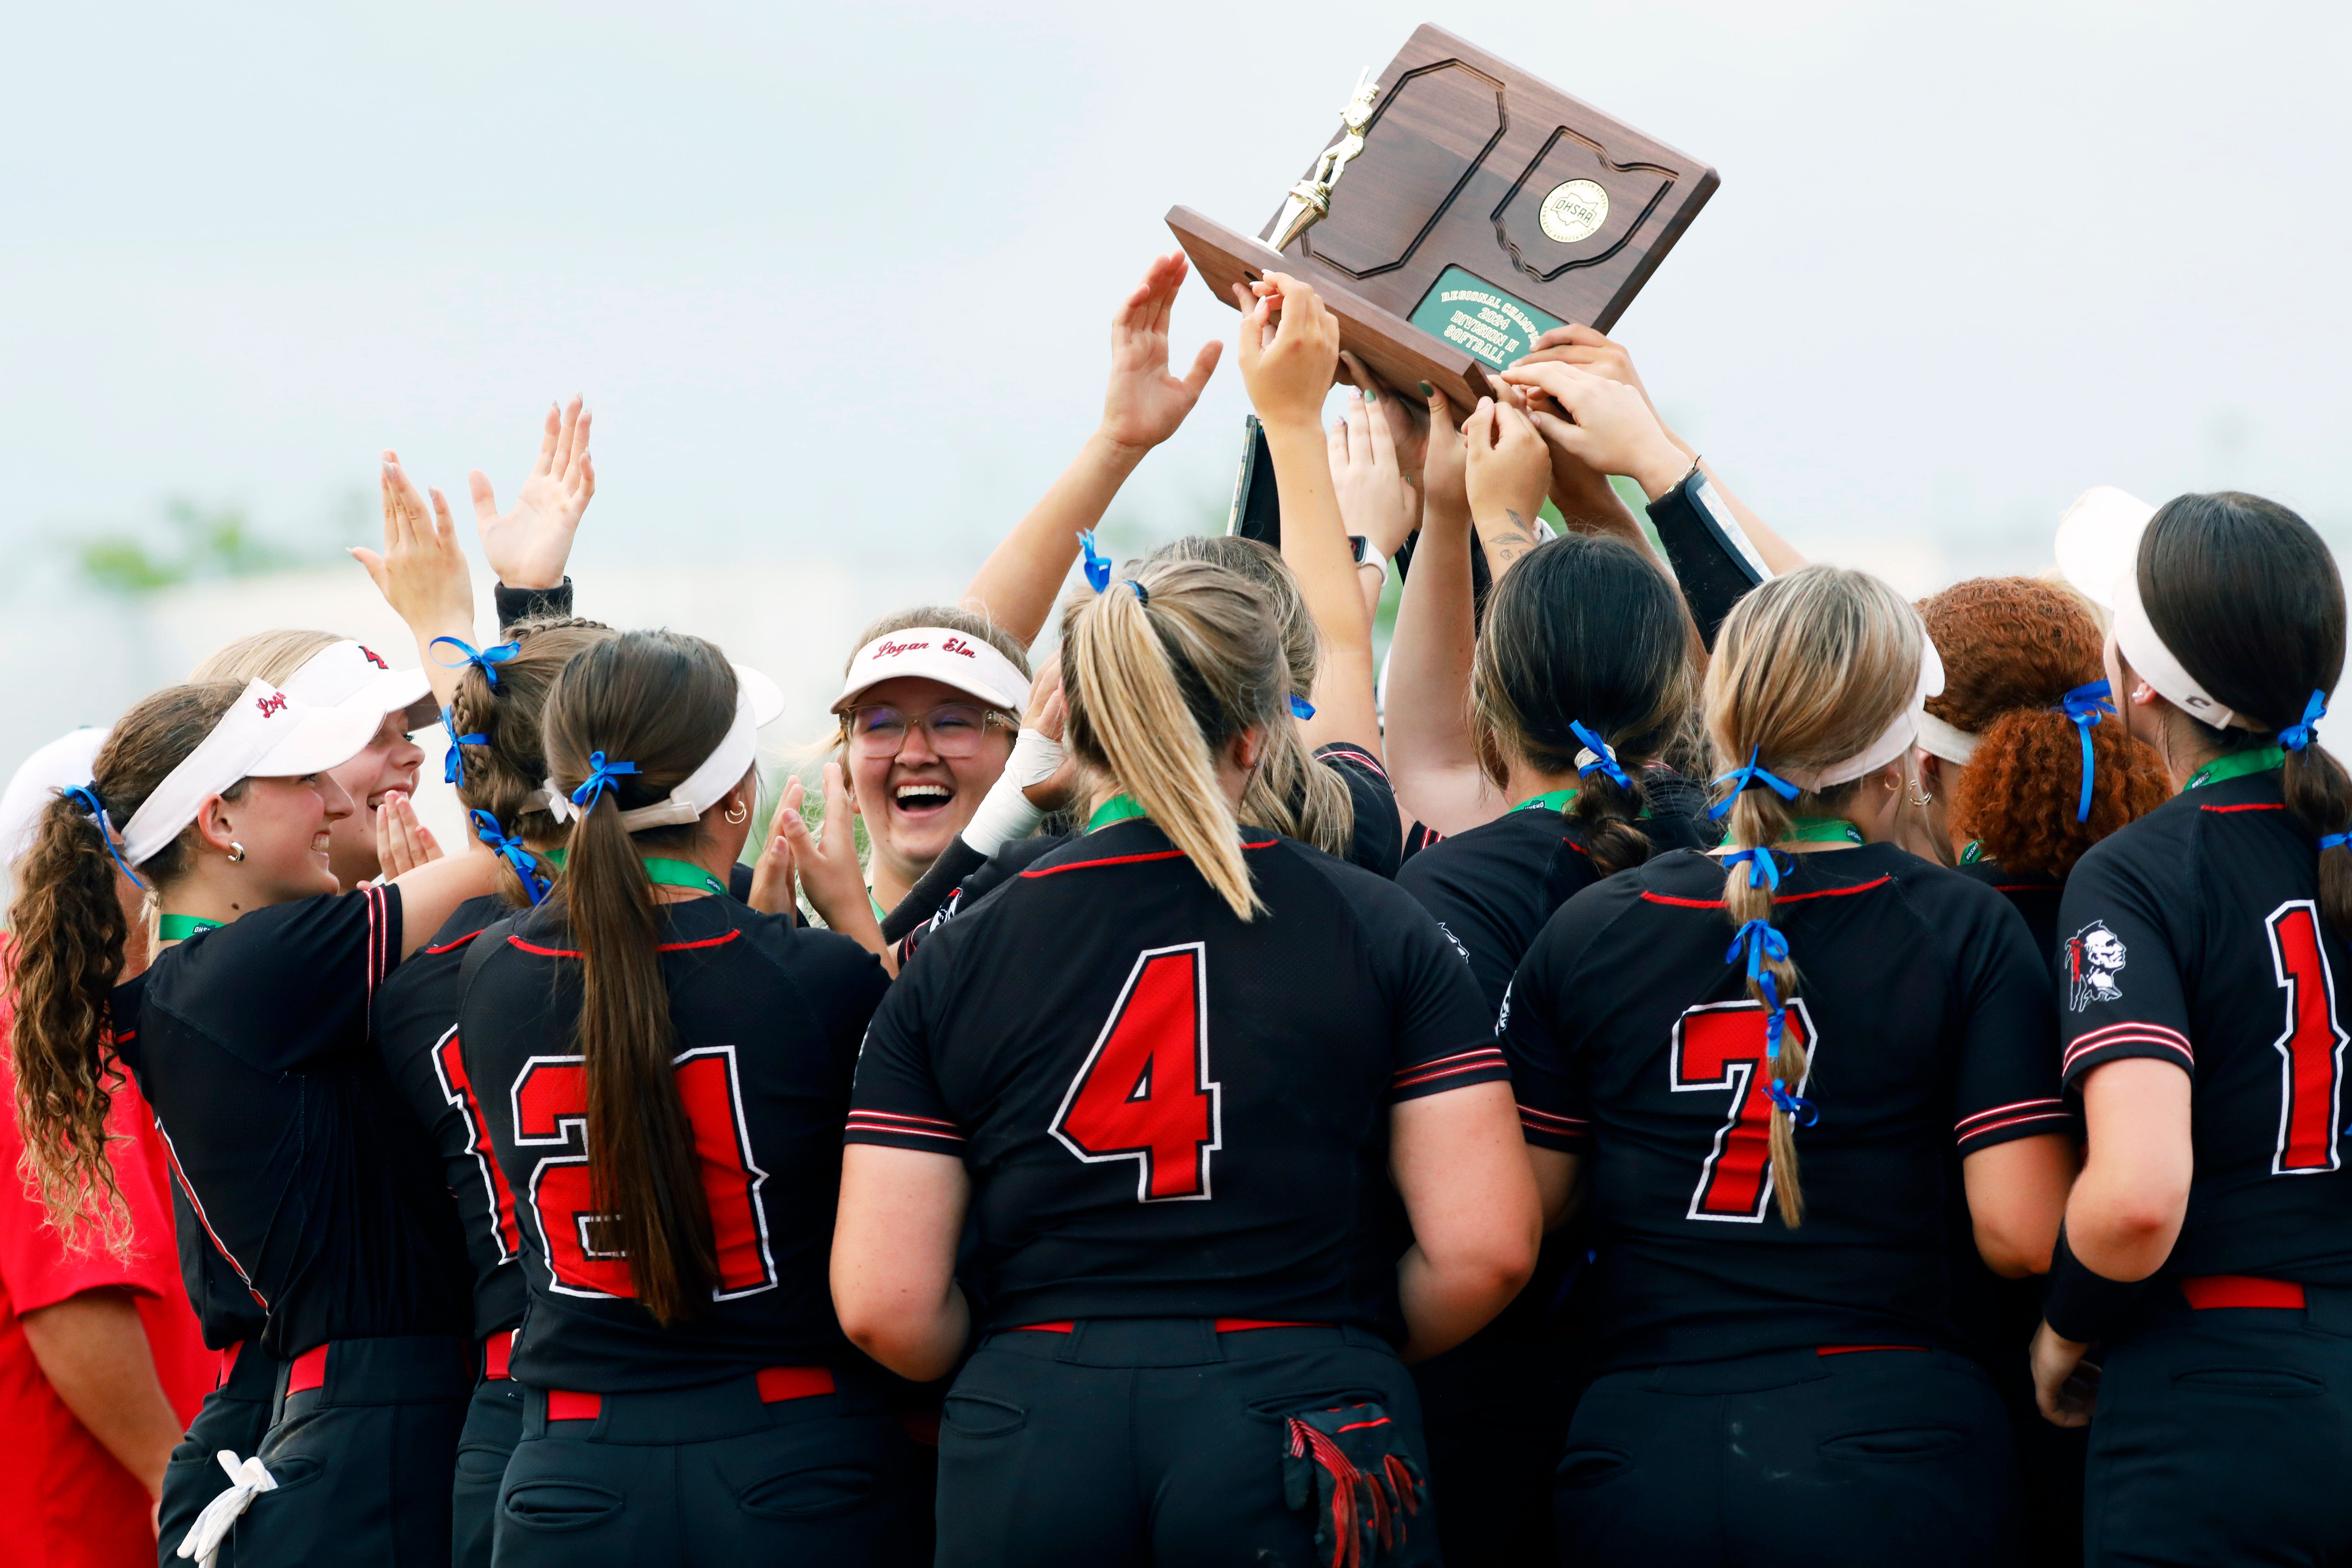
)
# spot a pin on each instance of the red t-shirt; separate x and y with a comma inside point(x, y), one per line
point(68, 1503)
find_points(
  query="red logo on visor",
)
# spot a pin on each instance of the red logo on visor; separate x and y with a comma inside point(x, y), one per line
point(888, 648)
point(957, 645)
point(369, 654)
point(271, 704)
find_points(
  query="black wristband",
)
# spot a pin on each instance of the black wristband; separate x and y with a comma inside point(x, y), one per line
point(1709, 553)
point(531, 604)
point(2082, 1305)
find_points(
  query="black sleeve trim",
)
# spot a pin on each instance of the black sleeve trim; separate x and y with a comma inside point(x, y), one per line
point(924, 1134)
point(2022, 1119)
point(532, 604)
point(2118, 1041)
point(1482, 1065)
point(1709, 552)
point(1549, 1129)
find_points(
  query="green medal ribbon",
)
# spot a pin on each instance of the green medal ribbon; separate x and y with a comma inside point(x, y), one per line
point(1973, 853)
point(682, 874)
point(1550, 800)
point(879, 912)
point(1822, 830)
point(2237, 764)
point(179, 928)
point(1118, 808)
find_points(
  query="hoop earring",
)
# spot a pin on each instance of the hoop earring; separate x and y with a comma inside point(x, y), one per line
point(236, 852)
point(1920, 796)
point(738, 814)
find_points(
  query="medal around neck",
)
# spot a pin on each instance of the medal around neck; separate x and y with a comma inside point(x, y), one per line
point(1465, 208)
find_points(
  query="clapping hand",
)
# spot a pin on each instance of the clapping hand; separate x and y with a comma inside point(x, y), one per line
point(1144, 403)
point(773, 873)
point(401, 843)
point(828, 868)
point(527, 547)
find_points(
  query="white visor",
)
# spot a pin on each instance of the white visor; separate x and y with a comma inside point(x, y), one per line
point(2098, 551)
point(262, 736)
point(1950, 741)
point(1897, 738)
point(757, 701)
point(61, 764)
point(934, 653)
point(350, 674)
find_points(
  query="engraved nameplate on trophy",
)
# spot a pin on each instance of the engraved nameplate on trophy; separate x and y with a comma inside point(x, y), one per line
point(1464, 209)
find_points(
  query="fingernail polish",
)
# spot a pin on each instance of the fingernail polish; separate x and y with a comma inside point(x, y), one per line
point(1372, 394)
point(1427, 390)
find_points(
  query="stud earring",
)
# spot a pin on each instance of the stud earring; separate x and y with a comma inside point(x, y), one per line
point(236, 852)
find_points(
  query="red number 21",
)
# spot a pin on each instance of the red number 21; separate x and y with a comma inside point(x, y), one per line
point(1720, 1047)
point(1144, 1093)
point(2310, 1049)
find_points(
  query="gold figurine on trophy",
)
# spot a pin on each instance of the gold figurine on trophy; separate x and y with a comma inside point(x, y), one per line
point(1310, 199)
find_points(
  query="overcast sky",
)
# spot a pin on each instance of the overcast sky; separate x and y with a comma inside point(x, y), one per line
point(835, 278)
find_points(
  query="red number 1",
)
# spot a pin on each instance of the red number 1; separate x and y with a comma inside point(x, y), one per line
point(1144, 1093)
point(2311, 1047)
point(1718, 1046)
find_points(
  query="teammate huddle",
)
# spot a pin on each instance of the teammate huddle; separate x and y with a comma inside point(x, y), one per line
point(1358, 1132)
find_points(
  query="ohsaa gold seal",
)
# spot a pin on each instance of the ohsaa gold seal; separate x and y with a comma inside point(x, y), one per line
point(1574, 211)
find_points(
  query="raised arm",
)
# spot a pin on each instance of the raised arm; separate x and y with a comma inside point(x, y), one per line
point(422, 574)
point(1377, 503)
point(1432, 754)
point(1018, 582)
point(1507, 473)
point(1290, 350)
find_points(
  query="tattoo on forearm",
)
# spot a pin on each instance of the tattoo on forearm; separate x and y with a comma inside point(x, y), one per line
point(1506, 543)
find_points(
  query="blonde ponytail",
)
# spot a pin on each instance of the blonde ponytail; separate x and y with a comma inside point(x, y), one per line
point(1760, 818)
point(1162, 671)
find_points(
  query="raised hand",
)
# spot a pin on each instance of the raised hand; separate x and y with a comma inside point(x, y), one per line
point(1507, 471)
point(1144, 403)
point(1290, 349)
point(421, 571)
point(527, 547)
point(829, 872)
point(772, 873)
point(1408, 420)
point(1444, 476)
point(401, 843)
point(1375, 500)
point(1608, 425)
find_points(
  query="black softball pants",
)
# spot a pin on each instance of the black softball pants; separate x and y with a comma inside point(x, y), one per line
point(1116, 1443)
point(234, 1417)
point(1803, 1459)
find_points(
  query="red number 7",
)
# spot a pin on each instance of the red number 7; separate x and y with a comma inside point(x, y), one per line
point(1718, 1046)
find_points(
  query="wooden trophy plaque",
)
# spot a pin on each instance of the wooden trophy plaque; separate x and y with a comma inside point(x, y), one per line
point(1469, 208)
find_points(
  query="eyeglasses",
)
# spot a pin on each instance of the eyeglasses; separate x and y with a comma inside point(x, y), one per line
point(952, 730)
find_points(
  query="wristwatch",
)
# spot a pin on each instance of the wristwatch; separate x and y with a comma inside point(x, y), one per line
point(1367, 556)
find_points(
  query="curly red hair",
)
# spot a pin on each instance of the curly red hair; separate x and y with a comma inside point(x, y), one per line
point(2011, 647)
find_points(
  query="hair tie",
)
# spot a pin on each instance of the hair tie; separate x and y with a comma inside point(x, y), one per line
point(2334, 841)
point(1142, 595)
point(1748, 775)
point(602, 776)
point(87, 794)
point(1300, 708)
point(484, 659)
point(453, 766)
point(2301, 733)
point(1604, 756)
point(1097, 563)
point(2083, 705)
point(1763, 870)
point(510, 851)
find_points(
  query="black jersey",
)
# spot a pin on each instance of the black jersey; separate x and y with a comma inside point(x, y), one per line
point(2032, 894)
point(299, 1165)
point(416, 1031)
point(1632, 1042)
point(1167, 1111)
point(1376, 841)
point(1492, 886)
point(768, 1018)
point(2194, 936)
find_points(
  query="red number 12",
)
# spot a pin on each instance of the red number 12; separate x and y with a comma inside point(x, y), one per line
point(2310, 1049)
point(1144, 1092)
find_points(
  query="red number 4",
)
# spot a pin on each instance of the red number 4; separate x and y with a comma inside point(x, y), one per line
point(1719, 1046)
point(2311, 1047)
point(1144, 1093)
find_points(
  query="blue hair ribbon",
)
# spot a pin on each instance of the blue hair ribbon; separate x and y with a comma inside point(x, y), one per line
point(1605, 758)
point(510, 851)
point(1762, 943)
point(88, 795)
point(2083, 705)
point(1097, 563)
point(602, 776)
point(486, 659)
point(452, 764)
point(1763, 871)
point(1748, 775)
point(2302, 733)
point(1300, 708)
point(2334, 841)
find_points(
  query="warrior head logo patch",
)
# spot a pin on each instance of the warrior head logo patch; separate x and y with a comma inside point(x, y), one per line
point(2095, 956)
